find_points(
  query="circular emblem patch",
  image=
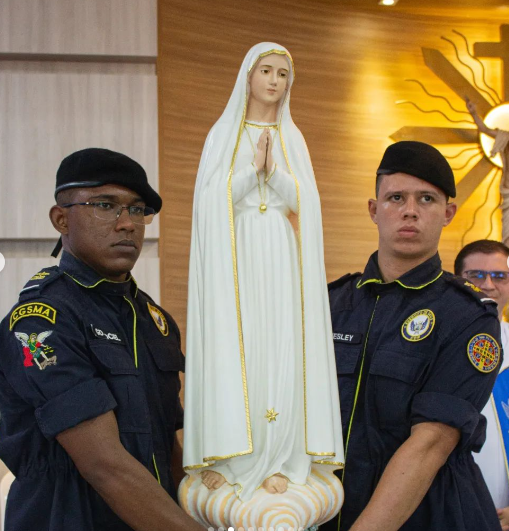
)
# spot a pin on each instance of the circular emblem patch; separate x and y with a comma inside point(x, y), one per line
point(418, 326)
point(159, 319)
point(483, 352)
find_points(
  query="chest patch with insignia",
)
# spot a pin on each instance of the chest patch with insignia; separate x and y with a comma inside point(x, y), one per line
point(418, 326)
point(33, 309)
point(35, 351)
point(483, 352)
point(159, 319)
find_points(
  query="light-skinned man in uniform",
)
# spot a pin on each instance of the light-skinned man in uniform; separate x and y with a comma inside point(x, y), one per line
point(417, 353)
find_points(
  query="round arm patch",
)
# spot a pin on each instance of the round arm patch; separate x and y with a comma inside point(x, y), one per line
point(483, 352)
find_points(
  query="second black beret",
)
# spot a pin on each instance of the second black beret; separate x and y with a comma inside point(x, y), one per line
point(419, 160)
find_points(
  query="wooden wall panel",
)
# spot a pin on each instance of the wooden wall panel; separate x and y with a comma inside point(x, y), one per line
point(103, 27)
point(52, 109)
point(350, 70)
point(73, 74)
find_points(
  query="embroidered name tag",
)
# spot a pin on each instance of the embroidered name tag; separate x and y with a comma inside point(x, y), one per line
point(33, 309)
point(108, 336)
point(340, 337)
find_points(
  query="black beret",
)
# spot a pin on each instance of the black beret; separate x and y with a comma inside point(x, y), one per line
point(419, 160)
point(97, 166)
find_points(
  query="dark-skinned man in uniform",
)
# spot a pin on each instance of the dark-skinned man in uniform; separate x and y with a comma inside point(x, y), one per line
point(89, 368)
point(417, 353)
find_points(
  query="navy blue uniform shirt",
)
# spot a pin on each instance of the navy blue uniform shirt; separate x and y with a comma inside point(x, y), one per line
point(74, 347)
point(423, 348)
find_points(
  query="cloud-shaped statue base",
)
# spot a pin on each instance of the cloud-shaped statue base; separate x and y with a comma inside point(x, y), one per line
point(299, 508)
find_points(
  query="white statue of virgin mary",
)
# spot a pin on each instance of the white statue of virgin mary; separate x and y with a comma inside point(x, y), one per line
point(261, 397)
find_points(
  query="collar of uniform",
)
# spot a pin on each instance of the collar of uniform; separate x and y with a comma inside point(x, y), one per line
point(417, 278)
point(86, 277)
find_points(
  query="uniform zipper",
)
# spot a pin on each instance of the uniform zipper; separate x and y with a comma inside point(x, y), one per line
point(359, 380)
point(136, 365)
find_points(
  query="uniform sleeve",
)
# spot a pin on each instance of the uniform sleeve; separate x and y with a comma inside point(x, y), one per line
point(45, 360)
point(461, 379)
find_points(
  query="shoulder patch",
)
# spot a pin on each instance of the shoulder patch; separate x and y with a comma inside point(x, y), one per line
point(34, 350)
point(32, 309)
point(39, 280)
point(342, 280)
point(483, 352)
point(159, 319)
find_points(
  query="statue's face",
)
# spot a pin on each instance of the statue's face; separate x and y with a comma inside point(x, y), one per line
point(268, 79)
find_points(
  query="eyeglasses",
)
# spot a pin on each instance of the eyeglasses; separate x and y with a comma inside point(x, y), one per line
point(108, 211)
point(479, 274)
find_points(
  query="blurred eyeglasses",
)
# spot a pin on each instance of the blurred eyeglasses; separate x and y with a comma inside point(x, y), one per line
point(480, 275)
point(109, 211)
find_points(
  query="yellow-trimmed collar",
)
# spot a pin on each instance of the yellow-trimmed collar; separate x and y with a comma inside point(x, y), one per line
point(417, 278)
point(87, 277)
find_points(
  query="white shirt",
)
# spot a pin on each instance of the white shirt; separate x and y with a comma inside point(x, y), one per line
point(491, 458)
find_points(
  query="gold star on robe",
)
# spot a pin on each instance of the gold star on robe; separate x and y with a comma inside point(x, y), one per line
point(271, 415)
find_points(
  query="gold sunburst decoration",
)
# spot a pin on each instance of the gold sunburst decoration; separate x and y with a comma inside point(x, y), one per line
point(468, 150)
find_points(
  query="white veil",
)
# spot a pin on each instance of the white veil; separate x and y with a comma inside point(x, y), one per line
point(217, 416)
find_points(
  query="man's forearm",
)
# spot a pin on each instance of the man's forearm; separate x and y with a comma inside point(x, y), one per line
point(123, 482)
point(134, 495)
point(407, 477)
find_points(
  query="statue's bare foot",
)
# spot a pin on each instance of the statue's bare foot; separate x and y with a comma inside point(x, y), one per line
point(212, 480)
point(276, 484)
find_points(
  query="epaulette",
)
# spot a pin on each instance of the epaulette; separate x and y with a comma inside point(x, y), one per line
point(342, 280)
point(39, 281)
point(467, 287)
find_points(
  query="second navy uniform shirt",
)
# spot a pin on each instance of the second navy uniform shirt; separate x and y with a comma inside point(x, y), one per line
point(423, 348)
point(74, 347)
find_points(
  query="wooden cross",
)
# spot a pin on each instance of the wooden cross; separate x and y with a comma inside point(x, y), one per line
point(497, 49)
